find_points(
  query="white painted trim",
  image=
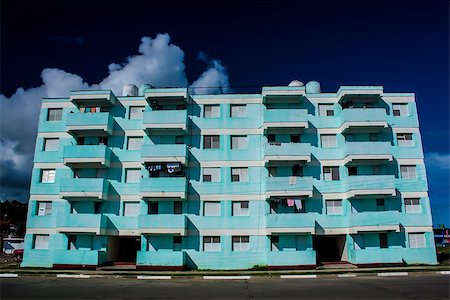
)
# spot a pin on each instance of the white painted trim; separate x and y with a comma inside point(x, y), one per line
point(59, 134)
point(50, 165)
point(98, 195)
point(72, 276)
point(230, 131)
point(149, 277)
point(443, 272)
point(271, 230)
point(87, 127)
point(227, 100)
point(346, 275)
point(9, 275)
point(227, 197)
point(310, 276)
point(80, 160)
point(285, 124)
point(181, 125)
point(399, 99)
point(268, 158)
point(127, 133)
point(180, 159)
point(296, 92)
point(357, 229)
point(47, 197)
point(182, 94)
point(227, 163)
point(414, 194)
point(393, 274)
point(405, 130)
point(31, 230)
point(410, 161)
point(316, 99)
point(354, 193)
point(58, 104)
point(133, 102)
point(283, 193)
point(177, 231)
point(227, 231)
point(105, 95)
point(181, 195)
point(418, 229)
point(126, 164)
point(241, 277)
point(96, 230)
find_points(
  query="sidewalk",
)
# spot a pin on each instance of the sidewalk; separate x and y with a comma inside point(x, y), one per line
point(199, 273)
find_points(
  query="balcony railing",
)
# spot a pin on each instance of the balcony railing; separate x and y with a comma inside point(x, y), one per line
point(89, 156)
point(164, 153)
point(162, 224)
point(289, 186)
point(165, 120)
point(81, 223)
point(89, 124)
point(287, 152)
point(285, 118)
point(160, 187)
point(84, 188)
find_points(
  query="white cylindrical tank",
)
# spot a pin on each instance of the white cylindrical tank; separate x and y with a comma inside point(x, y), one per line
point(143, 87)
point(296, 82)
point(129, 90)
point(313, 87)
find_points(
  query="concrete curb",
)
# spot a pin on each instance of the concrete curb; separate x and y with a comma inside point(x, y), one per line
point(393, 274)
point(346, 275)
point(444, 272)
point(9, 275)
point(72, 276)
point(312, 276)
point(243, 277)
point(144, 277)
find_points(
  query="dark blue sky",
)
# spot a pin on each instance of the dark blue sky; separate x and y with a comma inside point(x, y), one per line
point(402, 45)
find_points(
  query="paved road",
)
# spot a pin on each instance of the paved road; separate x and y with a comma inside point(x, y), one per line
point(364, 287)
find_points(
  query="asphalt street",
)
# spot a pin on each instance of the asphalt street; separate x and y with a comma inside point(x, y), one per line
point(361, 287)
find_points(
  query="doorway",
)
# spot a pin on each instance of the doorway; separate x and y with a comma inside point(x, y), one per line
point(329, 248)
point(123, 250)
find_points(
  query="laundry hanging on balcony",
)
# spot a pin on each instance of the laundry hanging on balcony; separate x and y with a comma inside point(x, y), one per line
point(290, 202)
point(298, 204)
point(173, 167)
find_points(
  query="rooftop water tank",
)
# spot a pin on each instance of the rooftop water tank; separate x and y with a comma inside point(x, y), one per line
point(296, 82)
point(143, 87)
point(129, 90)
point(313, 87)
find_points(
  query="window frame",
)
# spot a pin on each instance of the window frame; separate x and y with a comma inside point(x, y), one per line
point(210, 110)
point(211, 174)
point(52, 117)
point(411, 207)
point(405, 139)
point(212, 209)
point(135, 138)
point(212, 243)
point(332, 173)
point(51, 174)
point(326, 143)
point(241, 176)
point(135, 208)
point(336, 210)
point(325, 111)
point(236, 145)
point(240, 243)
point(45, 144)
point(237, 209)
point(127, 171)
point(240, 115)
point(45, 242)
point(211, 142)
point(409, 174)
point(46, 209)
point(140, 113)
point(415, 243)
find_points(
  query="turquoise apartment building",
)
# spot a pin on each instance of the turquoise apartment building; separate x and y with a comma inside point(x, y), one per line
point(288, 178)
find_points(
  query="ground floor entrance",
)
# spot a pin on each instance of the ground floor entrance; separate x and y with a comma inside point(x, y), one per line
point(330, 248)
point(123, 250)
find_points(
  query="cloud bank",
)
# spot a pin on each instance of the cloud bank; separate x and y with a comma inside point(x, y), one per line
point(159, 63)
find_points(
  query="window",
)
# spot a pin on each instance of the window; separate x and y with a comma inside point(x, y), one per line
point(131, 209)
point(211, 209)
point(239, 174)
point(48, 176)
point(412, 205)
point(240, 208)
point(274, 243)
point(238, 110)
point(136, 112)
point(328, 140)
point(297, 170)
point(177, 243)
point(51, 144)
point(352, 171)
point(400, 110)
point(326, 110)
point(405, 139)
point(241, 243)
point(177, 207)
point(211, 174)
point(295, 138)
point(152, 208)
point(97, 207)
point(211, 142)
point(239, 142)
point(44, 208)
point(408, 172)
point(380, 204)
point(383, 240)
point(54, 114)
point(211, 111)
point(211, 243)
point(133, 175)
point(135, 142)
point(334, 207)
point(331, 173)
point(41, 241)
point(272, 171)
point(417, 240)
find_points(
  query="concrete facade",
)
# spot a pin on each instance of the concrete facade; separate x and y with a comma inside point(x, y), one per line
point(287, 178)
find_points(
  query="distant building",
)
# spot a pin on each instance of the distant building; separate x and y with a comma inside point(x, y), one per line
point(441, 235)
point(287, 178)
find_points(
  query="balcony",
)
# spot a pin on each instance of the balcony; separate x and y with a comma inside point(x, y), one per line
point(366, 94)
point(166, 96)
point(89, 124)
point(165, 121)
point(162, 224)
point(163, 187)
point(287, 152)
point(289, 186)
point(87, 156)
point(290, 223)
point(161, 258)
point(164, 153)
point(291, 258)
point(102, 98)
point(84, 188)
point(358, 153)
point(359, 186)
point(285, 119)
point(374, 221)
point(81, 223)
point(283, 94)
point(368, 120)
point(375, 255)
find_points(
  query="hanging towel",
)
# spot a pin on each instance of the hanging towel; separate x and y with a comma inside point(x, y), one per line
point(298, 204)
point(290, 202)
point(292, 180)
point(173, 167)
